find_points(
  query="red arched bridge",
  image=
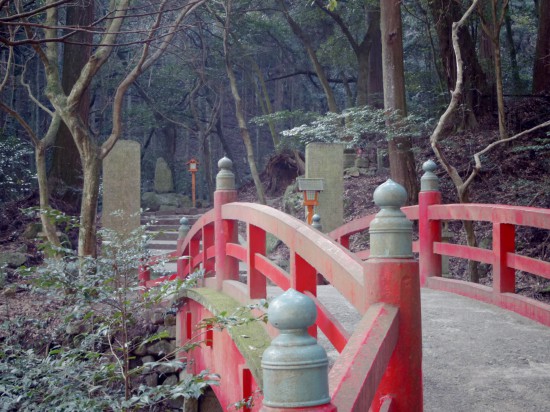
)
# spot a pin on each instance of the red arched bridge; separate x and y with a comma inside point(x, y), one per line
point(379, 363)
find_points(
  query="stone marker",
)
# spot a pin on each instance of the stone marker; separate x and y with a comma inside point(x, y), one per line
point(121, 187)
point(164, 183)
point(326, 161)
point(349, 158)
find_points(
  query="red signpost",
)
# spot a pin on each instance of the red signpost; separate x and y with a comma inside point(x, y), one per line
point(193, 167)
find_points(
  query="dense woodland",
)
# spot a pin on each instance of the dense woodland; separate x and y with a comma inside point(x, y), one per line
point(207, 78)
point(465, 82)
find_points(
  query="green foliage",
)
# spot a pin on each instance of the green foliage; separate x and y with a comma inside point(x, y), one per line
point(238, 318)
point(16, 178)
point(101, 297)
point(358, 126)
point(538, 145)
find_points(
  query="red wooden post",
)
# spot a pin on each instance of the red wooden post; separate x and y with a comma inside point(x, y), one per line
point(344, 241)
point(183, 261)
point(504, 277)
point(207, 242)
point(256, 244)
point(226, 267)
point(194, 250)
point(144, 274)
point(193, 169)
point(303, 277)
point(391, 276)
point(429, 230)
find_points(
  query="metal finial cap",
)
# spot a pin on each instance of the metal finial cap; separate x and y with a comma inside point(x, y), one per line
point(429, 166)
point(390, 194)
point(225, 163)
point(184, 221)
point(225, 179)
point(390, 231)
point(295, 366)
point(429, 181)
point(292, 310)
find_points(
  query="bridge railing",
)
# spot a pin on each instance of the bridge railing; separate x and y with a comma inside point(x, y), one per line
point(502, 256)
point(380, 362)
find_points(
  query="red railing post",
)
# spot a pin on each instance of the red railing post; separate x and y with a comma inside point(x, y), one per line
point(504, 241)
point(144, 273)
point(256, 244)
point(225, 231)
point(429, 230)
point(183, 260)
point(391, 276)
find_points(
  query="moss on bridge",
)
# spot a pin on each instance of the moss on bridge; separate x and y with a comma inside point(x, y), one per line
point(251, 338)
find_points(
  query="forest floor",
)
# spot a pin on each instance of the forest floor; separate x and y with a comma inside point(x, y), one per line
point(515, 174)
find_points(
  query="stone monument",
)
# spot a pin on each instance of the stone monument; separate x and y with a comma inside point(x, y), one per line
point(163, 198)
point(326, 161)
point(164, 183)
point(121, 187)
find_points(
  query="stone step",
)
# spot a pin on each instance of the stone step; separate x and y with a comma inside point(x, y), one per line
point(168, 235)
point(162, 245)
point(168, 220)
point(177, 212)
point(163, 228)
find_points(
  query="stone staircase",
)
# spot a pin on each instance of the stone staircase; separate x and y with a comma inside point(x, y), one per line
point(163, 226)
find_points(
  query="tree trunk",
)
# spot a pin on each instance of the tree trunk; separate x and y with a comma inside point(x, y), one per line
point(363, 79)
point(444, 13)
point(375, 83)
point(239, 111)
point(47, 227)
point(500, 94)
point(265, 103)
point(87, 237)
point(306, 42)
point(541, 70)
point(460, 185)
point(65, 178)
point(473, 266)
point(491, 29)
point(402, 165)
point(516, 80)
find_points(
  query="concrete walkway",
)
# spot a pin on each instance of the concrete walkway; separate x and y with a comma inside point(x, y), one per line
point(476, 357)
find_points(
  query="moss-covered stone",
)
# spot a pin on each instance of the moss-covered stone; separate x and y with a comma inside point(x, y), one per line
point(251, 339)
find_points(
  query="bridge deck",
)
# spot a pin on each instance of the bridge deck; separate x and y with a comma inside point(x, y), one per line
point(476, 357)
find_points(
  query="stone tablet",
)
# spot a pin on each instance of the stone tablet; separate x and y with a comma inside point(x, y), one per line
point(164, 183)
point(121, 187)
point(326, 161)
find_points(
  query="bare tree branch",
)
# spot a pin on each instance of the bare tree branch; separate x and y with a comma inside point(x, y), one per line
point(29, 91)
point(144, 63)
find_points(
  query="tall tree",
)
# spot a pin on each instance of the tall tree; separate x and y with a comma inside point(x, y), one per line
point(444, 13)
point(158, 33)
point(375, 82)
point(492, 19)
point(308, 45)
point(541, 70)
point(402, 165)
point(239, 110)
point(361, 46)
point(65, 175)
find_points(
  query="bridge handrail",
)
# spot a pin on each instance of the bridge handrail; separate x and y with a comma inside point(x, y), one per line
point(375, 286)
point(503, 257)
point(340, 267)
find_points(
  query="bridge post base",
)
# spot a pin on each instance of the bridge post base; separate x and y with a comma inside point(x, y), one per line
point(329, 407)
